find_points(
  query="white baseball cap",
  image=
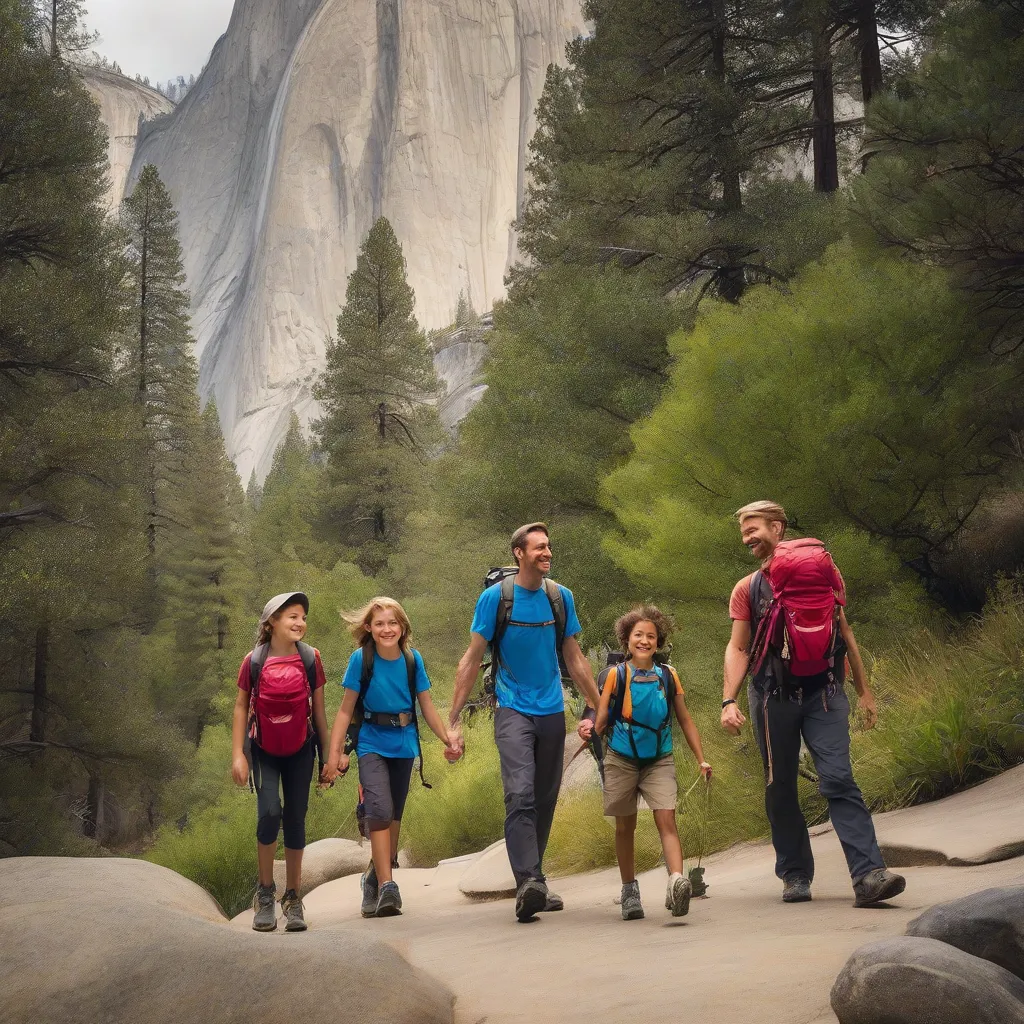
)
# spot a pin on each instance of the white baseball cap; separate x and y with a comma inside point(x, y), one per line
point(275, 604)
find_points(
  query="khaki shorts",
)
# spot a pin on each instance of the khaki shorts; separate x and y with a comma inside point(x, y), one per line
point(624, 781)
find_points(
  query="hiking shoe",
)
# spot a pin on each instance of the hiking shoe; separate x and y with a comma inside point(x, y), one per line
point(677, 898)
point(632, 908)
point(531, 899)
point(796, 889)
point(389, 902)
point(876, 886)
point(265, 905)
point(553, 904)
point(370, 889)
point(291, 907)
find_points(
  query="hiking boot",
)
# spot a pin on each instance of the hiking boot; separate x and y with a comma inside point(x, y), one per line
point(531, 899)
point(389, 902)
point(554, 903)
point(291, 907)
point(677, 898)
point(876, 886)
point(369, 887)
point(265, 905)
point(796, 889)
point(632, 908)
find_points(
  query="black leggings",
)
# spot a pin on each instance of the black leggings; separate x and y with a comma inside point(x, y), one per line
point(293, 775)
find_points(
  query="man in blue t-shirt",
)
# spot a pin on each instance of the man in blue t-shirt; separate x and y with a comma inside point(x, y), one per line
point(529, 719)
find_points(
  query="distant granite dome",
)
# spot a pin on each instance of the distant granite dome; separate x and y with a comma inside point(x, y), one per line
point(311, 119)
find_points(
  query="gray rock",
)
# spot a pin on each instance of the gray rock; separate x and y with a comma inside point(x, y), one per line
point(325, 860)
point(910, 980)
point(988, 924)
point(121, 942)
point(489, 876)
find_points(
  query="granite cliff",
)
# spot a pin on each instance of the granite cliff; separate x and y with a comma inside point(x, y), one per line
point(311, 119)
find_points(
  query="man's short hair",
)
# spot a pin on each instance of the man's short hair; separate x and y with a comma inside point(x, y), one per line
point(519, 537)
point(770, 511)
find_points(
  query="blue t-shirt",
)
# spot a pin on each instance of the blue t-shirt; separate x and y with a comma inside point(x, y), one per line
point(529, 680)
point(644, 703)
point(388, 692)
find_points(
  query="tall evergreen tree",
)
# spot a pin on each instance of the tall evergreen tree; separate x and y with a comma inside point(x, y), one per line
point(378, 427)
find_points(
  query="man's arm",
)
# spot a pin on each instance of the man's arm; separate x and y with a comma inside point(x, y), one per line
point(579, 668)
point(737, 661)
point(866, 699)
point(465, 677)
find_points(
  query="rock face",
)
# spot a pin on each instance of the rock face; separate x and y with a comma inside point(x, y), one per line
point(311, 119)
point(489, 875)
point(122, 102)
point(124, 941)
point(325, 860)
point(458, 361)
point(923, 981)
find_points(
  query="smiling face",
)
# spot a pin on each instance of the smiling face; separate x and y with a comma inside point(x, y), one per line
point(289, 624)
point(537, 553)
point(761, 536)
point(643, 642)
point(386, 629)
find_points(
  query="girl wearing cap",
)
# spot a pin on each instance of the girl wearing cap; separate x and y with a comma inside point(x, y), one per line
point(390, 676)
point(279, 710)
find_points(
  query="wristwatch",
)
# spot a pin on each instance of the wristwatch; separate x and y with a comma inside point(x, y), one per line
point(726, 703)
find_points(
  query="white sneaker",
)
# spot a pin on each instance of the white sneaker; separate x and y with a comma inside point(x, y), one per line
point(677, 895)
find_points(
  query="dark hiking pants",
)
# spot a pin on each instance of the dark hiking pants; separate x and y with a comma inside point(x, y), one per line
point(824, 723)
point(290, 776)
point(531, 748)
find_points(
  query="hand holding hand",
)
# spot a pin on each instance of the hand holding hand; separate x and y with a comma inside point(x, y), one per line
point(732, 718)
point(341, 765)
point(585, 729)
point(327, 776)
point(705, 770)
point(240, 769)
point(869, 709)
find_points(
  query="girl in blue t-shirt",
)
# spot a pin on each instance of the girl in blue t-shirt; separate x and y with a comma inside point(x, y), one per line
point(639, 700)
point(389, 673)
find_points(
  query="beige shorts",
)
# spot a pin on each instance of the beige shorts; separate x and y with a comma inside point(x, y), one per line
point(624, 781)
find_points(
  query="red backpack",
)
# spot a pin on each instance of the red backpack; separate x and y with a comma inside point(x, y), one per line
point(801, 624)
point(281, 708)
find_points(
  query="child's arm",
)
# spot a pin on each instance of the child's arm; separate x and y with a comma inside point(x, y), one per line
point(239, 765)
point(337, 760)
point(606, 698)
point(689, 727)
point(434, 720)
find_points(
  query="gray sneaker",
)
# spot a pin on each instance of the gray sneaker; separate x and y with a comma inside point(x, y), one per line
point(389, 902)
point(796, 889)
point(677, 899)
point(368, 884)
point(554, 903)
point(876, 886)
point(291, 907)
point(632, 908)
point(531, 899)
point(265, 905)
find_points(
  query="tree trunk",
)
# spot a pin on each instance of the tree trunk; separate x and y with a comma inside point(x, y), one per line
point(826, 160)
point(37, 729)
point(867, 44)
point(53, 29)
point(93, 824)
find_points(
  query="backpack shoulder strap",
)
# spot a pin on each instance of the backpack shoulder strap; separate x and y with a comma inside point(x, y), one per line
point(257, 659)
point(557, 602)
point(506, 595)
point(619, 696)
point(410, 669)
point(308, 654)
point(669, 678)
point(366, 673)
point(758, 583)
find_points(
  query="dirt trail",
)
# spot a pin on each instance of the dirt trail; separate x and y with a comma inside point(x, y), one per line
point(739, 957)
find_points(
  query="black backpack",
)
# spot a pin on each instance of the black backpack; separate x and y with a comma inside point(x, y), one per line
point(383, 718)
point(257, 659)
point(505, 575)
point(666, 681)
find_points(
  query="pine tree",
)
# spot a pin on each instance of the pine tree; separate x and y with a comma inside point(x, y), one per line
point(377, 429)
point(159, 359)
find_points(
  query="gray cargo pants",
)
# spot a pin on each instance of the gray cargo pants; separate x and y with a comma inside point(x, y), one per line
point(824, 723)
point(531, 749)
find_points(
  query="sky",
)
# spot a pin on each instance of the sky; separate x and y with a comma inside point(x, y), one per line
point(160, 39)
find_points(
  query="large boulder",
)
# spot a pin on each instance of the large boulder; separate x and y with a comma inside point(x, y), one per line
point(123, 941)
point(489, 876)
point(910, 980)
point(324, 861)
point(988, 924)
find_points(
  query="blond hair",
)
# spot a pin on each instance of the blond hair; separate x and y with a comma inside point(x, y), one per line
point(360, 620)
point(770, 511)
point(519, 537)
